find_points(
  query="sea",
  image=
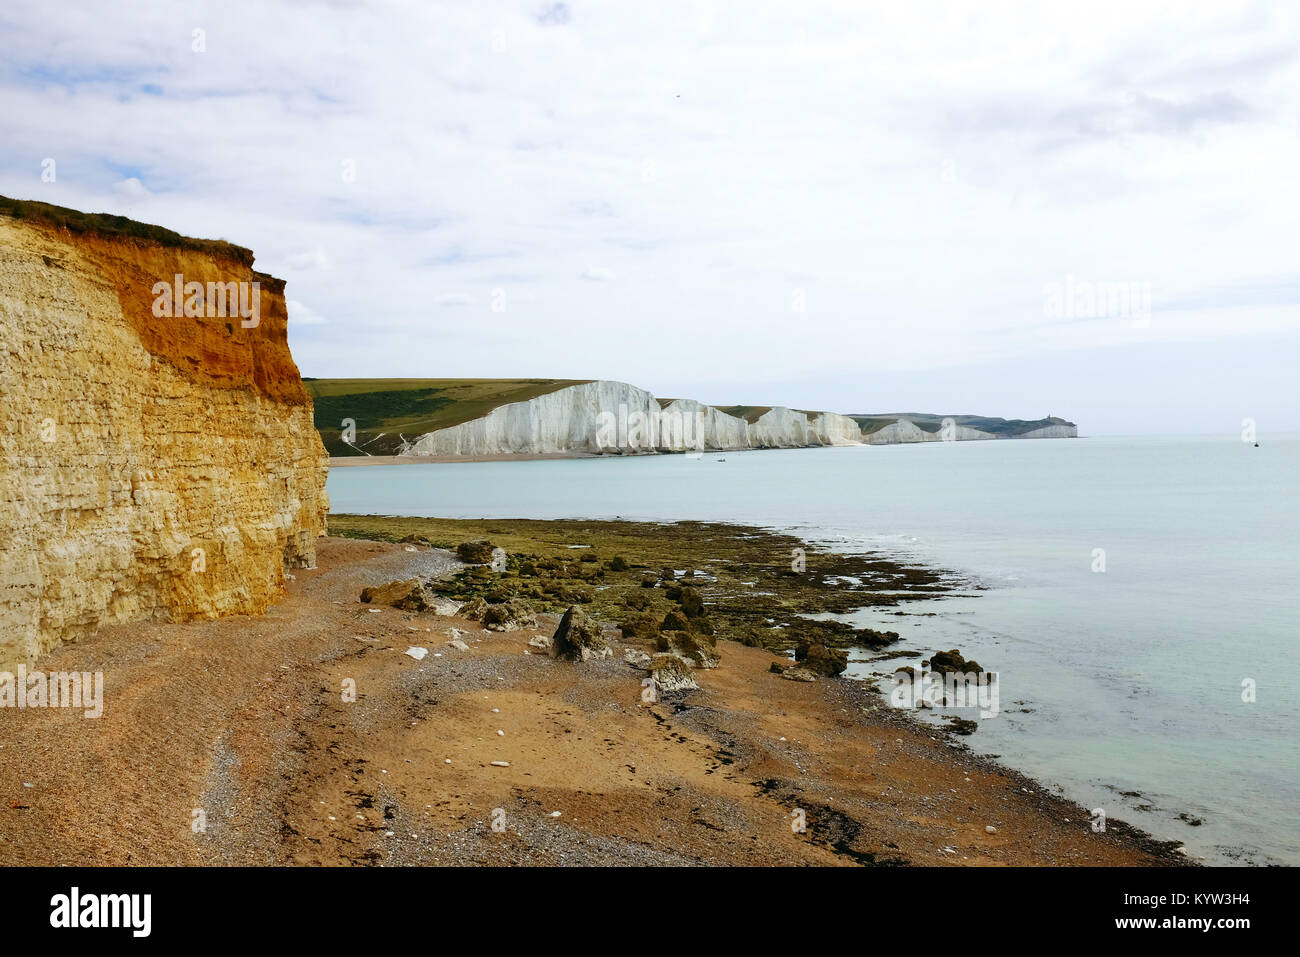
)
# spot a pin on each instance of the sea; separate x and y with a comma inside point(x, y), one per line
point(1136, 596)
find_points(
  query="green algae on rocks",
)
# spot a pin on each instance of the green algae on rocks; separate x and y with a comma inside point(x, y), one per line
point(747, 584)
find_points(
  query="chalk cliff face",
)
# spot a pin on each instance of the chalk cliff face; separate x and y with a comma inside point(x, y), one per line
point(616, 418)
point(689, 425)
point(1053, 432)
point(150, 468)
point(904, 431)
point(580, 418)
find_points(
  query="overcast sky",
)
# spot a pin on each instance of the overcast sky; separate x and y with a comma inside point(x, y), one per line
point(850, 206)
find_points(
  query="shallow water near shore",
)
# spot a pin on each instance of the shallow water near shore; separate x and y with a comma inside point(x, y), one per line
point(1122, 680)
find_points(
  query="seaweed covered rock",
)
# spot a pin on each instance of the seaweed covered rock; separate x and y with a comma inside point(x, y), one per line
point(578, 638)
point(821, 660)
point(675, 621)
point(944, 662)
point(509, 615)
point(474, 609)
point(408, 594)
point(798, 674)
point(699, 650)
point(691, 602)
point(476, 552)
point(618, 564)
point(641, 627)
point(671, 674)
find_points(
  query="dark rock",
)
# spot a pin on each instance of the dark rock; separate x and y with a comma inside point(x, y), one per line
point(671, 674)
point(618, 564)
point(578, 638)
point(473, 609)
point(642, 627)
point(944, 662)
point(509, 615)
point(821, 660)
point(475, 553)
point(699, 650)
point(798, 674)
point(675, 621)
point(691, 602)
point(408, 594)
point(958, 725)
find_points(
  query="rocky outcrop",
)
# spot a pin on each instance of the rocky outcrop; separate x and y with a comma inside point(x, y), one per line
point(409, 594)
point(578, 638)
point(150, 467)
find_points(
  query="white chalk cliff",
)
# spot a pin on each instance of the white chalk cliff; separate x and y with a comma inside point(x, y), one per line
point(608, 417)
point(615, 418)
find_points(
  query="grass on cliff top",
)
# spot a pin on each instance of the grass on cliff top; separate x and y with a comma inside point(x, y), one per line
point(745, 575)
point(750, 413)
point(106, 224)
point(383, 408)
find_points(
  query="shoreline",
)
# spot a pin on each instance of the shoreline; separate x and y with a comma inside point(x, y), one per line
point(922, 584)
point(243, 718)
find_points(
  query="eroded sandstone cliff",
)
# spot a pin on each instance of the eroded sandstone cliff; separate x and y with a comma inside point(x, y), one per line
point(150, 467)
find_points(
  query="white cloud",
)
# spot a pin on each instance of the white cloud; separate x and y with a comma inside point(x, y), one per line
point(303, 315)
point(131, 189)
point(308, 259)
point(915, 171)
point(453, 299)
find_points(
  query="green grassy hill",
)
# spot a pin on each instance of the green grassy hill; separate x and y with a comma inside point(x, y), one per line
point(386, 409)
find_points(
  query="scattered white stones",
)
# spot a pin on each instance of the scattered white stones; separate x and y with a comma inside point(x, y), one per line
point(416, 652)
point(555, 814)
point(458, 644)
point(447, 761)
point(500, 732)
point(374, 611)
point(990, 829)
point(500, 764)
point(496, 710)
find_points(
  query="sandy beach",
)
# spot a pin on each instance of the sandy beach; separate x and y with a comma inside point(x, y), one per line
point(496, 754)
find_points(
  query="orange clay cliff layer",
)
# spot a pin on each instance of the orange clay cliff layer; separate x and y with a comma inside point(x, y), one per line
point(153, 464)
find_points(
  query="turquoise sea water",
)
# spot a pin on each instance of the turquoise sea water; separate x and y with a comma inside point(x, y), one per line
point(1127, 680)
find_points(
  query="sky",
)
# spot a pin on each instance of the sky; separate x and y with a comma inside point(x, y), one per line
point(1015, 209)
